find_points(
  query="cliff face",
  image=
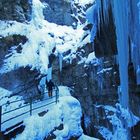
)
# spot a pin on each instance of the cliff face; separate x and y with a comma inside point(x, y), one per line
point(58, 12)
point(93, 84)
point(127, 29)
point(19, 10)
point(21, 81)
point(115, 36)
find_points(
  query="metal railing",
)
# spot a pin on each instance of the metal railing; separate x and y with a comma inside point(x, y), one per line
point(30, 102)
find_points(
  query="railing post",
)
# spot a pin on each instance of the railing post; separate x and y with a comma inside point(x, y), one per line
point(30, 106)
point(0, 116)
point(57, 94)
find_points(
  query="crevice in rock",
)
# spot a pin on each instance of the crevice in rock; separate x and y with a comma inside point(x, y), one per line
point(105, 40)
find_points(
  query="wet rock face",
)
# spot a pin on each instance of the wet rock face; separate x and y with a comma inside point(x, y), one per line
point(21, 81)
point(7, 43)
point(105, 40)
point(93, 84)
point(58, 11)
point(19, 10)
point(135, 131)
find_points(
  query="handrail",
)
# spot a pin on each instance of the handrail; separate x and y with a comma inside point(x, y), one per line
point(15, 117)
point(43, 105)
point(26, 98)
point(14, 109)
point(31, 102)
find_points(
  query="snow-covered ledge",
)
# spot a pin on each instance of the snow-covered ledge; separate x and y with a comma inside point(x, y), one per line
point(67, 112)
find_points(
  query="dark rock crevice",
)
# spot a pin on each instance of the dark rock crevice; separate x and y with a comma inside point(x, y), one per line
point(105, 40)
point(22, 81)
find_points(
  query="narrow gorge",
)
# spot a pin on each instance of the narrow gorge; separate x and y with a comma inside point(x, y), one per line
point(92, 47)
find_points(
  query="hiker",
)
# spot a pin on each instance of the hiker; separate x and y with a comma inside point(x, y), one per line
point(50, 86)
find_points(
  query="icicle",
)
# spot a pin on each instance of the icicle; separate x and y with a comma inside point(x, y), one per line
point(91, 14)
point(37, 13)
point(121, 22)
point(49, 75)
point(42, 85)
point(139, 10)
point(60, 61)
point(92, 17)
point(138, 75)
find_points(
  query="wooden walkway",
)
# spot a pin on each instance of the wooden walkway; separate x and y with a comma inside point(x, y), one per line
point(13, 119)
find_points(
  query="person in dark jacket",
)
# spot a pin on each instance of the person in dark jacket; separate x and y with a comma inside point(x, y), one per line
point(50, 86)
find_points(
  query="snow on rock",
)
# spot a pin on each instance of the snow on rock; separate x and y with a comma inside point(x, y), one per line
point(67, 111)
point(42, 38)
point(72, 123)
point(121, 119)
point(84, 137)
point(34, 52)
point(127, 115)
point(85, 41)
point(67, 38)
point(5, 100)
point(106, 133)
point(64, 91)
point(40, 43)
point(84, 2)
point(38, 128)
point(104, 70)
point(91, 58)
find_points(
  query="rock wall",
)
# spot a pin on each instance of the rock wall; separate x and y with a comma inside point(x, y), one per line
point(58, 11)
point(92, 84)
point(96, 84)
point(131, 40)
point(19, 10)
point(21, 81)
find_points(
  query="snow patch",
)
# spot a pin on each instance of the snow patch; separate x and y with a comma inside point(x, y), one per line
point(84, 2)
point(106, 133)
point(39, 127)
point(84, 137)
point(121, 119)
point(91, 58)
point(5, 100)
point(64, 91)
